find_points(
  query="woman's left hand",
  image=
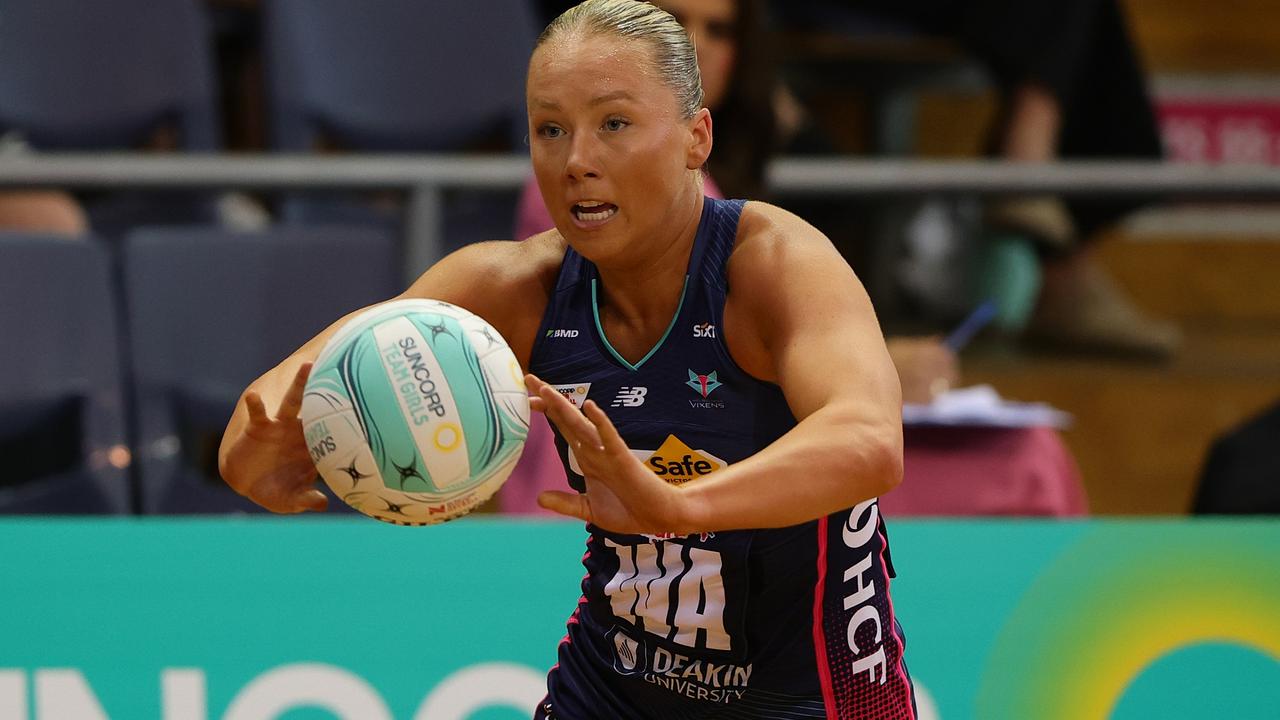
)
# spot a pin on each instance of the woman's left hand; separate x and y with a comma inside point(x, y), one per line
point(622, 495)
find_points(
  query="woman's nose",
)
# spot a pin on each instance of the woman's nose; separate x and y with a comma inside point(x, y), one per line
point(581, 162)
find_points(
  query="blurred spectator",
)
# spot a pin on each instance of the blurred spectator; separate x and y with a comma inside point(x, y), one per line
point(46, 211)
point(1241, 475)
point(1071, 86)
point(39, 211)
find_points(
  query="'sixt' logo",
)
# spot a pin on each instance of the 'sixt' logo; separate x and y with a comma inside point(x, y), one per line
point(704, 384)
point(630, 396)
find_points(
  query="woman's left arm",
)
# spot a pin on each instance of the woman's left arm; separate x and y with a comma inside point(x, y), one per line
point(818, 338)
point(806, 323)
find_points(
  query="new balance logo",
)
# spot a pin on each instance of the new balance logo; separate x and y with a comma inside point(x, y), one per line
point(562, 333)
point(630, 396)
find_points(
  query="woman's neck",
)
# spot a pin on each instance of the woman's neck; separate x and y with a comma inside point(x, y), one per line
point(644, 291)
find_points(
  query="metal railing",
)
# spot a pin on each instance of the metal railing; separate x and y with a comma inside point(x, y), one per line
point(425, 177)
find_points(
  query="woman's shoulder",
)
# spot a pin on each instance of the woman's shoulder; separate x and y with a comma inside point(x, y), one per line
point(766, 230)
point(534, 261)
point(766, 245)
point(505, 282)
point(773, 244)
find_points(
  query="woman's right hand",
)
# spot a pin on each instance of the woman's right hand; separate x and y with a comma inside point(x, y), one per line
point(265, 458)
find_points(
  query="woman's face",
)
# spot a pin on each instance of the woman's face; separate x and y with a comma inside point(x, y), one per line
point(711, 24)
point(610, 149)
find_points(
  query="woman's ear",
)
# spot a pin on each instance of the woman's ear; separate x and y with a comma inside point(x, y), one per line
point(699, 139)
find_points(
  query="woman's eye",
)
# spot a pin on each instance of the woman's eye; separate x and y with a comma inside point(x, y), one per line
point(614, 124)
point(550, 132)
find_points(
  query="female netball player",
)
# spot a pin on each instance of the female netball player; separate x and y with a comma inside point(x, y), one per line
point(737, 565)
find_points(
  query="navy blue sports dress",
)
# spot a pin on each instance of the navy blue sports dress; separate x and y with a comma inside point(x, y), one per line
point(787, 623)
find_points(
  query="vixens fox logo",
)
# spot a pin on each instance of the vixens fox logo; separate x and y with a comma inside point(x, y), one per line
point(703, 384)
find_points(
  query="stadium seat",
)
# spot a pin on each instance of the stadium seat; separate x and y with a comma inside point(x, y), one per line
point(62, 427)
point(210, 311)
point(76, 75)
point(111, 76)
point(385, 78)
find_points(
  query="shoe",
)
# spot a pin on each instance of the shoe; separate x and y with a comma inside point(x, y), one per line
point(1045, 219)
point(1085, 311)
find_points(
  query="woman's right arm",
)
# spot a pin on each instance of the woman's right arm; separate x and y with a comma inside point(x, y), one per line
point(263, 455)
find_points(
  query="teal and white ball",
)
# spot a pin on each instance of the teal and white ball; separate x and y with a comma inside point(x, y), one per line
point(415, 412)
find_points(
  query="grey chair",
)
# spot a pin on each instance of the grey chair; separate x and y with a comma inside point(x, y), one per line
point(77, 75)
point(109, 76)
point(396, 75)
point(210, 311)
point(399, 76)
point(62, 428)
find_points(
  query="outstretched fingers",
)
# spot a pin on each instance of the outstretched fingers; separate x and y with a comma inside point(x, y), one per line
point(534, 385)
point(291, 405)
point(610, 441)
point(563, 503)
point(257, 409)
point(310, 499)
point(577, 430)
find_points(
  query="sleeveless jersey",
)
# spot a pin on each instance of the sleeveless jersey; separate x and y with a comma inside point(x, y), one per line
point(794, 622)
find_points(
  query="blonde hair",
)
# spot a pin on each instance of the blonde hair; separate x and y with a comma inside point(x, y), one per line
point(673, 54)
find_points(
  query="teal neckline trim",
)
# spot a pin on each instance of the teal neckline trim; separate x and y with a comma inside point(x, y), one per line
point(595, 312)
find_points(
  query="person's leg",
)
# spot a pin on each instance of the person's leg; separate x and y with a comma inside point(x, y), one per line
point(1029, 133)
point(1035, 121)
point(1110, 116)
point(1084, 97)
point(1071, 87)
point(1081, 308)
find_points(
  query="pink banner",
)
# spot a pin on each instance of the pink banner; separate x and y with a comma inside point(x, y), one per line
point(1221, 131)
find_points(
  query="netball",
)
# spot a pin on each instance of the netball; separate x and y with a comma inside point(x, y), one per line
point(415, 412)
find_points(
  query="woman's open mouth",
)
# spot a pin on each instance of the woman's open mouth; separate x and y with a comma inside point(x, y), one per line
point(591, 213)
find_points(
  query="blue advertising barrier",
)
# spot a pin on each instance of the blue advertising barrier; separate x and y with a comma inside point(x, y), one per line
point(300, 618)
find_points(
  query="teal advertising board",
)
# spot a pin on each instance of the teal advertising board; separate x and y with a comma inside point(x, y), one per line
point(308, 618)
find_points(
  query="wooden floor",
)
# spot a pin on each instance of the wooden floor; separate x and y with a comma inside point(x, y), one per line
point(1207, 36)
point(1142, 429)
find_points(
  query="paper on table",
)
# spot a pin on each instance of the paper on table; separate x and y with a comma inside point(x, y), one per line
point(982, 406)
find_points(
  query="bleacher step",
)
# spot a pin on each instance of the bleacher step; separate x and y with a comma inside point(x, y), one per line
point(1198, 279)
point(1142, 430)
